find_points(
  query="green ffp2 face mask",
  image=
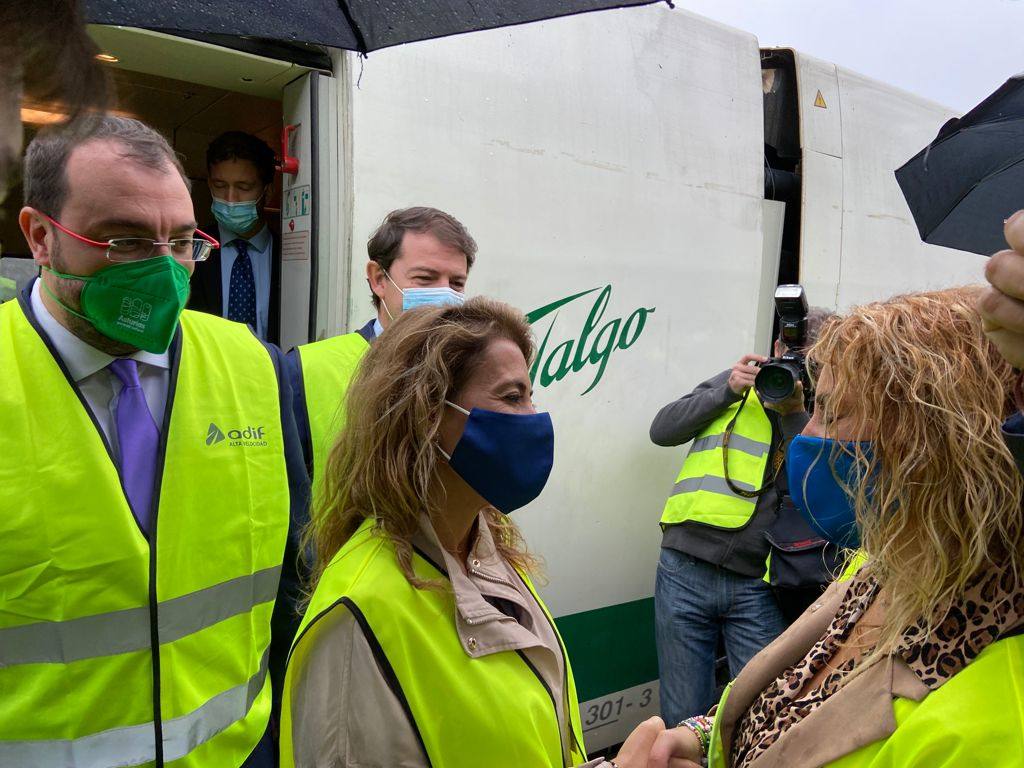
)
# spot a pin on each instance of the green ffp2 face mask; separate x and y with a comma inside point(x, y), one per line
point(136, 303)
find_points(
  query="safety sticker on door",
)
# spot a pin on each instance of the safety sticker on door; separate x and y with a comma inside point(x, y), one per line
point(296, 202)
point(295, 246)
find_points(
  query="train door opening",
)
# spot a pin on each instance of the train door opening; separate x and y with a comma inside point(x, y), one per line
point(192, 91)
point(782, 184)
point(782, 154)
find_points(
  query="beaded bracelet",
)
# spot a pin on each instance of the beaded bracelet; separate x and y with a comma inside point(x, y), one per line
point(700, 726)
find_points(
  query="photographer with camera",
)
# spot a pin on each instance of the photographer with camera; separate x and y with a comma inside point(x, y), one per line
point(729, 528)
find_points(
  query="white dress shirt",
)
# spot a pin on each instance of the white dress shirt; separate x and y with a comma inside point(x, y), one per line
point(97, 383)
point(261, 246)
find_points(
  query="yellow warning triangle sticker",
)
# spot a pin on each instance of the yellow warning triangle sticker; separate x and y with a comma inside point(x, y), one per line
point(819, 101)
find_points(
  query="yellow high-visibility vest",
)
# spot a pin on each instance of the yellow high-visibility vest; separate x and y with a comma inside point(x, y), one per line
point(327, 369)
point(975, 718)
point(493, 710)
point(701, 493)
point(107, 639)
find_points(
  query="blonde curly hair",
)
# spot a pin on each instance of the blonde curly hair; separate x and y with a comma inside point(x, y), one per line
point(384, 464)
point(944, 504)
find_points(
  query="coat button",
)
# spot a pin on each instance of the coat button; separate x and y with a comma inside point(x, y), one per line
point(475, 563)
point(471, 643)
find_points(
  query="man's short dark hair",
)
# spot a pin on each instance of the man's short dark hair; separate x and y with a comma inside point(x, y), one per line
point(816, 319)
point(384, 246)
point(239, 145)
point(46, 159)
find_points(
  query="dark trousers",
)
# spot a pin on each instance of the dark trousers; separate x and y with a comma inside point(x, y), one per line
point(794, 601)
point(265, 754)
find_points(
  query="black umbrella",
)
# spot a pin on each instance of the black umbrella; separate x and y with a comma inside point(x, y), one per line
point(963, 185)
point(356, 25)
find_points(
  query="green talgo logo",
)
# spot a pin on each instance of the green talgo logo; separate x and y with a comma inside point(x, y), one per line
point(214, 434)
point(593, 347)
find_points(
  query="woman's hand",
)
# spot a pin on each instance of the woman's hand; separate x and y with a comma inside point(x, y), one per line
point(637, 747)
point(676, 748)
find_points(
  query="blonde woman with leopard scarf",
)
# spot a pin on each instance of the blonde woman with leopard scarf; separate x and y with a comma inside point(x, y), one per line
point(918, 660)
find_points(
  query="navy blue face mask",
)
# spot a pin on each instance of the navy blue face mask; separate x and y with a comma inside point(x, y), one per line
point(505, 457)
point(817, 468)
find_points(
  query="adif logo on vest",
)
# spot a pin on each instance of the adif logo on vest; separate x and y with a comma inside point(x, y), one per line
point(214, 434)
point(250, 437)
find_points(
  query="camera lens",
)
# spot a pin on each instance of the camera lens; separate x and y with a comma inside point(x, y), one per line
point(776, 381)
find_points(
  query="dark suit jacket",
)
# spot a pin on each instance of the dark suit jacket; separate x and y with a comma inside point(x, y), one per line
point(208, 286)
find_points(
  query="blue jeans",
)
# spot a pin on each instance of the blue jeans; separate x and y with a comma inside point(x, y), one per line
point(694, 601)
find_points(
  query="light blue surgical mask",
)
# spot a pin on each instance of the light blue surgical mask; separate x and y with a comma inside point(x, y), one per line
point(425, 297)
point(238, 217)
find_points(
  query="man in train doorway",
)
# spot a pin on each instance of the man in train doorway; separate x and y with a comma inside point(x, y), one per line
point(417, 256)
point(241, 279)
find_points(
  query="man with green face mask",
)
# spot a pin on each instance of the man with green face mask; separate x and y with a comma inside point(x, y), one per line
point(152, 485)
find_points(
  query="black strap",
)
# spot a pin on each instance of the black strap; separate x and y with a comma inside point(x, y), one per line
point(776, 459)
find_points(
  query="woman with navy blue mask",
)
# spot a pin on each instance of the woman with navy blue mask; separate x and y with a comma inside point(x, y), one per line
point(424, 642)
point(916, 661)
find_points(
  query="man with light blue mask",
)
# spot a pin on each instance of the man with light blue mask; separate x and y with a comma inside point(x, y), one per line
point(417, 257)
point(240, 280)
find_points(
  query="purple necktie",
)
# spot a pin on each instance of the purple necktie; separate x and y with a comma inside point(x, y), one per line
point(138, 439)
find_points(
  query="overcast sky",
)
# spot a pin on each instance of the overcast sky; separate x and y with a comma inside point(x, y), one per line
point(954, 52)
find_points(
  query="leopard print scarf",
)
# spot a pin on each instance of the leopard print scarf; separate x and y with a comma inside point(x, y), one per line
point(990, 609)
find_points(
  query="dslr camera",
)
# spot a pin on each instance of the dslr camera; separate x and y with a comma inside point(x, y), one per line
point(777, 379)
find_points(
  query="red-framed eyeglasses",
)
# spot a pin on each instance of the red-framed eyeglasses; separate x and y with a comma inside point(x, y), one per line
point(141, 248)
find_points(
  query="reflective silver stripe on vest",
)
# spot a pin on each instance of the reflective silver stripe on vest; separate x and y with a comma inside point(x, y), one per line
point(134, 745)
point(711, 484)
point(736, 443)
point(108, 634)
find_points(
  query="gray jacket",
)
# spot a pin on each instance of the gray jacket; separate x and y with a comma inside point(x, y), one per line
point(743, 550)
